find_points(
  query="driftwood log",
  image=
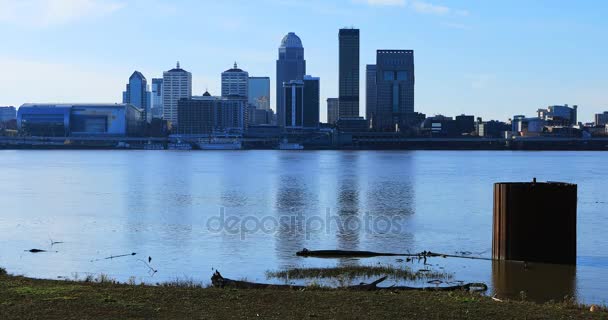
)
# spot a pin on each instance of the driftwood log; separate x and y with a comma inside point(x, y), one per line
point(344, 253)
point(370, 254)
point(218, 281)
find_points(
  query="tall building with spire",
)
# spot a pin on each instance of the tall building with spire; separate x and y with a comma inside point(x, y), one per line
point(235, 82)
point(291, 66)
point(349, 73)
point(177, 84)
point(137, 93)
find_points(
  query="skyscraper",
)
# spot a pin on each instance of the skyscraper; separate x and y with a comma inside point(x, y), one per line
point(259, 92)
point(349, 73)
point(333, 105)
point(290, 66)
point(157, 98)
point(370, 92)
point(177, 84)
point(312, 101)
point(394, 90)
point(294, 104)
point(137, 92)
point(302, 103)
point(235, 82)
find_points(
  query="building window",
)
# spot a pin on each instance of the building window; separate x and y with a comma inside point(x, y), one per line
point(401, 75)
point(389, 76)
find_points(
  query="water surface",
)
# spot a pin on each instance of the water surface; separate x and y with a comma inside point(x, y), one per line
point(169, 206)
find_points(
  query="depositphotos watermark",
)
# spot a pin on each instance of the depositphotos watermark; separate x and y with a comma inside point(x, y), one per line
point(303, 225)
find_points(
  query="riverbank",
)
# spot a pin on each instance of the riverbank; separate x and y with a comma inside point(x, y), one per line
point(355, 141)
point(22, 297)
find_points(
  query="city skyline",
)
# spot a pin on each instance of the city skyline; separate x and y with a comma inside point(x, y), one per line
point(479, 61)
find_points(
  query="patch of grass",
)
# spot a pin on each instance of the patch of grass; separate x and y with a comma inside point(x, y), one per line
point(44, 291)
point(344, 274)
point(182, 283)
point(24, 298)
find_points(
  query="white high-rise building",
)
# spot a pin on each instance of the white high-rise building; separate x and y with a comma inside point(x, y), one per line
point(177, 84)
point(235, 82)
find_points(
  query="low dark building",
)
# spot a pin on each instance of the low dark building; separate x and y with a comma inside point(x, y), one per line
point(491, 129)
point(356, 124)
point(259, 116)
point(440, 126)
point(206, 115)
point(465, 125)
point(158, 128)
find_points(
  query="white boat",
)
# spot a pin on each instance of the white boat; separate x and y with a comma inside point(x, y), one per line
point(285, 145)
point(220, 144)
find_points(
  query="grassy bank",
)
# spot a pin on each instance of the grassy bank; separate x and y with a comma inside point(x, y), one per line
point(29, 298)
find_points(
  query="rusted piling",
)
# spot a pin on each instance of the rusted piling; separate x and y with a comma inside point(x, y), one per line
point(535, 222)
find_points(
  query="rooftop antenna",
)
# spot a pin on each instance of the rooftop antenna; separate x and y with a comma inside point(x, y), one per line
point(178, 65)
point(235, 65)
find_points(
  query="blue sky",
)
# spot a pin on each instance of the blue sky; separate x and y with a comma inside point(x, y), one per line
point(492, 59)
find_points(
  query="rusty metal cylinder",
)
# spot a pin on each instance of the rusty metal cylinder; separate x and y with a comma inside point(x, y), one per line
point(535, 222)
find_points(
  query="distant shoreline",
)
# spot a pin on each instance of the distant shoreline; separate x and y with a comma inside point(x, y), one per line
point(356, 143)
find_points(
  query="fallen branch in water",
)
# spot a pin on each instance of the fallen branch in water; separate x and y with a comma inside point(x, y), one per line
point(344, 253)
point(218, 281)
point(114, 257)
point(151, 271)
point(369, 254)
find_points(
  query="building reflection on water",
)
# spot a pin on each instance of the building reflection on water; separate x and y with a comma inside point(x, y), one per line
point(348, 223)
point(533, 281)
point(297, 194)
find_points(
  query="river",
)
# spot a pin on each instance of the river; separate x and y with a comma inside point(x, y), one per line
point(248, 212)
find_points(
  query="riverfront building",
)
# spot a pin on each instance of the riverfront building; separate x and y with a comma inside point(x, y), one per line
point(302, 100)
point(177, 84)
point(559, 115)
point(258, 117)
point(7, 114)
point(601, 119)
point(290, 66)
point(522, 126)
point(392, 92)
point(92, 119)
point(235, 82)
point(259, 92)
point(333, 105)
point(137, 93)
point(206, 115)
point(349, 73)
